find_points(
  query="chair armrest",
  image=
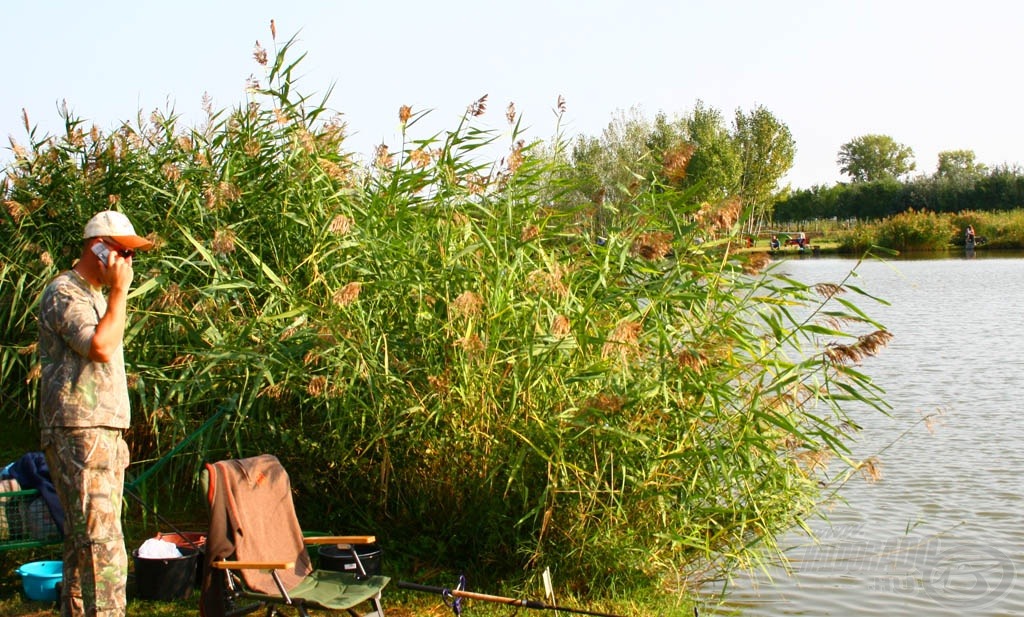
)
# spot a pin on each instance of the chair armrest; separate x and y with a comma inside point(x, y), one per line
point(254, 565)
point(340, 540)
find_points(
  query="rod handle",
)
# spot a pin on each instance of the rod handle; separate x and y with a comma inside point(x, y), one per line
point(458, 593)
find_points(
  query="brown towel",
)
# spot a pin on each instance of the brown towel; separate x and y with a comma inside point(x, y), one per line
point(252, 518)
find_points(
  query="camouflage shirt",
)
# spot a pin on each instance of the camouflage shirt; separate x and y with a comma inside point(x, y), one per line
point(74, 390)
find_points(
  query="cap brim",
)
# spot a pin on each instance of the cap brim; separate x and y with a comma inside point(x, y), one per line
point(134, 242)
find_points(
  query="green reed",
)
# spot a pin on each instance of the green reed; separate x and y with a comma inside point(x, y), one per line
point(440, 350)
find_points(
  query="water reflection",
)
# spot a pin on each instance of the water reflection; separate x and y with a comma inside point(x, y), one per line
point(942, 533)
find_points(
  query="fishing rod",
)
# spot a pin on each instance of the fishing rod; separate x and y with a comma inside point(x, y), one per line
point(459, 593)
point(131, 487)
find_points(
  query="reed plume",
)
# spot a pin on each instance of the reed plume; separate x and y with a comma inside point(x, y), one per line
point(347, 294)
point(420, 158)
point(756, 263)
point(260, 54)
point(560, 106)
point(382, 158)
point(653, 246)
point(223, 241)
point(560, 326)
point(467, 304)
point(866, 345)
point(340, 225)
point(676, 162)
point(721, 216)
point(871, 469)
point(478, 107)
point(622, 342)
point(828, 290)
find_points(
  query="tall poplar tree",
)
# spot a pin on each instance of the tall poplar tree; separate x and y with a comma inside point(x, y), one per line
point(715, 165)
point(766, 150)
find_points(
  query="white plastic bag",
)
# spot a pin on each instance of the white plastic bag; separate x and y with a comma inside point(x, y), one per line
point(154, 548)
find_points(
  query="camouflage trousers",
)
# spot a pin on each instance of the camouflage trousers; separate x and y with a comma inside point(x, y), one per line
point(87, 466)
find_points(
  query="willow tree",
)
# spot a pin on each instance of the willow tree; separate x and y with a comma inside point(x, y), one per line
point(959, 166)
point(874, 158)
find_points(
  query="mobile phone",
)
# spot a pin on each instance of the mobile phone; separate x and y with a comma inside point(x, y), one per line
point(102, 252)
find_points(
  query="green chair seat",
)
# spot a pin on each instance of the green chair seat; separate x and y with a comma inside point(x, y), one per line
point(336, 590)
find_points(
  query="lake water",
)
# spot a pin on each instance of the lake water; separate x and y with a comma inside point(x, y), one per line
point(943, 532)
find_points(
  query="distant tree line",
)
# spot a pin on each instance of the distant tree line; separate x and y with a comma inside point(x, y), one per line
point(878, 168)
point(1001, 189)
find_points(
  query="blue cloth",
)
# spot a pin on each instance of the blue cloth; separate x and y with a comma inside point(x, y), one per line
point(31, 472)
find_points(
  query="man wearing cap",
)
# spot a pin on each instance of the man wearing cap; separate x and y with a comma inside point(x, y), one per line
point(84, 409)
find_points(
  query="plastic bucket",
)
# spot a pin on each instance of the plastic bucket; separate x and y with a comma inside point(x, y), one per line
point(342, 559)
point(40, 579)
point(166, 578)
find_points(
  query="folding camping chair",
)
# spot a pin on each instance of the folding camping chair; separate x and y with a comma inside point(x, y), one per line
point(256, 554)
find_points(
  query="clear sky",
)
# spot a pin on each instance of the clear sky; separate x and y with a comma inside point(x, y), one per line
point(933, 74)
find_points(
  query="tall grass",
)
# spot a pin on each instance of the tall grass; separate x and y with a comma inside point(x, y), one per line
point(438, 349)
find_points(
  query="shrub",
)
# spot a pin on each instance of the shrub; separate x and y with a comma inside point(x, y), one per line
point(915, 231)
